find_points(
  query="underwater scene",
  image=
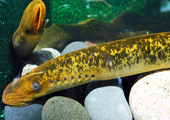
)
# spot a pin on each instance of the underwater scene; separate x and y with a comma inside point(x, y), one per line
point(84, 59)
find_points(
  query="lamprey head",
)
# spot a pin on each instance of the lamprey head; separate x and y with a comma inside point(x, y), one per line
point(22, 91)
point(30, 30)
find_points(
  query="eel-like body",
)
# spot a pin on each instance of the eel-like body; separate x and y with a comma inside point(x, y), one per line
point(59, 35)
point(101, 62)
point(31, 28)
point(31, 35)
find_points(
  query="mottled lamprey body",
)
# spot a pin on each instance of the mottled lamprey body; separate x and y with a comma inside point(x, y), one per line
point(102, 62)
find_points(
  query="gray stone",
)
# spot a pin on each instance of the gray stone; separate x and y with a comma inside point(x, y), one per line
point(31, 112)
point(62, 108)
point(96, 84)
point(107, 103)
point(74, 46)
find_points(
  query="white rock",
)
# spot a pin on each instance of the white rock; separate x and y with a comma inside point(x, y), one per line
point(149, 97)
point(28, 68)
point(107, 103)
point(74, 46)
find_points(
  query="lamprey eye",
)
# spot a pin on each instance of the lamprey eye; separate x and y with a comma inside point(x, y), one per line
point(35, 86)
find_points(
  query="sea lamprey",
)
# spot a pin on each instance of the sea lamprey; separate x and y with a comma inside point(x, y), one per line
point(31, 35)
point(31, 28)
point(106, 61)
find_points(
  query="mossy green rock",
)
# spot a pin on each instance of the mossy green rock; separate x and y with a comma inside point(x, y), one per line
point(63, 108)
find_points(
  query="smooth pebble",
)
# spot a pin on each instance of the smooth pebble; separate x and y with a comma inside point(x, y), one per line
point(63, 108)
point(42, 56)
point(96, 84)
point(38, 58)
point(107, 103)
point(27, 68)
point(31, 112)
point(74, 46)
point(149, 97)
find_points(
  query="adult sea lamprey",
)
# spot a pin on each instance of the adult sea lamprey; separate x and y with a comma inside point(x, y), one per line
point(101, 62)
point(31, 28)
point(31, 35)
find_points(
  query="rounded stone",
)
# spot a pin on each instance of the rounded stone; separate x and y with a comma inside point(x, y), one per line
point(149, 97)
point(97, 84)
point(39, 57)
point(27, 68)
point(107, 103)
point(31, 112)
point(74, 46)
point(63, 108)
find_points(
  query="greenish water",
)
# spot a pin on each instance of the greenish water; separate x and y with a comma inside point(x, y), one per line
point(74, 11)
point(154, 18)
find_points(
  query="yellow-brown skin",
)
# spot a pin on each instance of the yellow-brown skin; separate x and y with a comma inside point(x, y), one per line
point(31, 28)
point(101, 62)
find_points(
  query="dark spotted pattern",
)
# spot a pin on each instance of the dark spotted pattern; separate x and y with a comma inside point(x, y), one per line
point(147, 50)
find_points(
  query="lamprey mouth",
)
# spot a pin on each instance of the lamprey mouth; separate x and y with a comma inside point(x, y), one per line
point(15, 98)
